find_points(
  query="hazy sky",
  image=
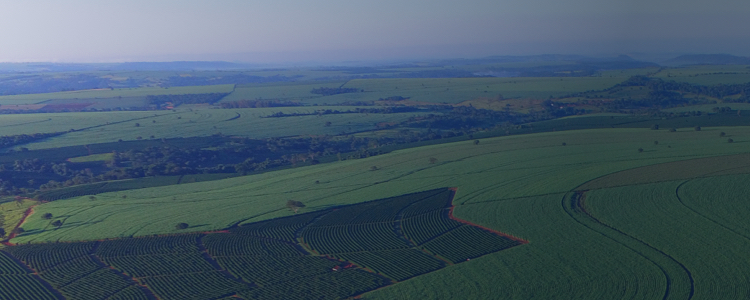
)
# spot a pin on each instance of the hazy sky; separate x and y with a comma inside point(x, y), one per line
point(330, 30)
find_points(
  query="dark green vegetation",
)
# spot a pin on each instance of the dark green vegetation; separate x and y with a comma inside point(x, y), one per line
point(334, 253)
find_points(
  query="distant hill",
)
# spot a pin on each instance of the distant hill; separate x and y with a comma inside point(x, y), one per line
point(708, 59)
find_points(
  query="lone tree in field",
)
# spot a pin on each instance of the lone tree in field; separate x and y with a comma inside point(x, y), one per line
point(57, 223)
point(2, 232)
point(374, 168)
point(433, 160)
point(476, 142)
point(722, 134)
point(656, 142)
point(564, 144)
point(47, 216)
point(640, 150)
point(655, 127)
point(673, 130)
point(294, 205)
point(19, 230)
point(697, 128)
point(181, 226)
point(92, 198)
point(137, 124)
point(730, 141)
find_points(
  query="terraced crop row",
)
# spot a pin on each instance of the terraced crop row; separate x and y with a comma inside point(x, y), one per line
point(229, 244)
point(265, 260)
point(467, 242)
point(145, 246)
point(159, 264)
point(44, 256)
point(421, 228)
point(281, 229)
point(16, 282)
point(330, 285)
point(199, 286)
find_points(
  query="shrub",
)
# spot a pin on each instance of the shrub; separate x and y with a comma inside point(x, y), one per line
point(697, 128)
point(673, 130)
point(476, 142)
point(730, 141)
point(722, 134)
point(655, 127)
point(47, 216)
point(656, 142)
point(57, 223)
point(181, 226)
point(564, 144)
point(640, 150)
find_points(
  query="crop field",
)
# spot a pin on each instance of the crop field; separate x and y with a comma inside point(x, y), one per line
point(105, 127)
point(114, 94)
point(281, 91)
point(708, 213)
point(707, 74)
point(528, 186)
point(270, 260)
point(430, 90)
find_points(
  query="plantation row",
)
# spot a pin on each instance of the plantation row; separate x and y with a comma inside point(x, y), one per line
point(265, 260)
point(16, 282)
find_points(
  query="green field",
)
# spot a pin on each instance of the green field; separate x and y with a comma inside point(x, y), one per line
point(114, 94)
point(105, 127)
point(707, 74)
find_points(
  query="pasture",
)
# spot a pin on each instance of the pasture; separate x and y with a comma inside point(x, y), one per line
point(105, 127)
point(114, 94)
point(707, 74)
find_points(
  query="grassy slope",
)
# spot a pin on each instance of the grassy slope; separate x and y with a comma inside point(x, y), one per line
point(498, 168)
point(184, 123)
point(705, 228)
point(106, 93)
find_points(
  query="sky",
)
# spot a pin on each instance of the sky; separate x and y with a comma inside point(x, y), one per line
point(273, 31)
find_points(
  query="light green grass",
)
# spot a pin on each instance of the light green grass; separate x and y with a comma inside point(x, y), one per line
point(707, 74)
point(281, 91)
point(93, 157)
point(198, 122)
point(709, 107)
point(106, 93)
point(498, 168)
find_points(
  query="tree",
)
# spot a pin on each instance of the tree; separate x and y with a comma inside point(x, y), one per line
point(656, 142)
point(476, 142)
point(640, 150)
point(730, 141)
point(655, 127)
point(137, 124)
point(697, 128)
point(47, 216)
point(328, 124)
point(722, 134)
point(92, 197)
point(374, 168)
point(673, 130)
point(294, 205)
point(564, 144)
point(181, 226)
point(57, 223)
point(2, 232)
point(19, 230)
point(433, 160)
